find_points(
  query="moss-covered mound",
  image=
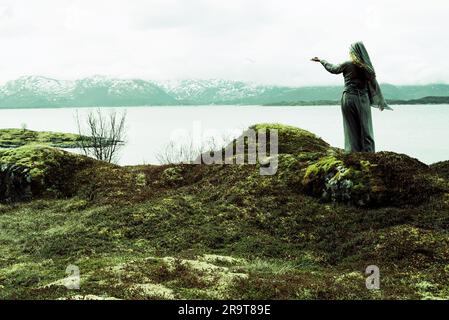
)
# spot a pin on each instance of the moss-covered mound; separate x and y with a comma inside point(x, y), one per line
point(309, 164)
point(306, 163)
point(441, 168)
point(293, 140)
point(382, 179)
point(225, 231)
point(12, 138)
point(34, 170)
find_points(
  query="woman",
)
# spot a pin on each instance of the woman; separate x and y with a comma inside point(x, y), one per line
point(361, 92)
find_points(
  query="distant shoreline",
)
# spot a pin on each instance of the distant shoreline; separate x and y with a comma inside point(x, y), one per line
point(420, 101)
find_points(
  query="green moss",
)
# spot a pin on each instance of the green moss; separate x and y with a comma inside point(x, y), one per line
point(293, 140)
point(172, 176)
point(215, 232)
point(441, 168)
point(39, 159)
point(10, 138)
point(419, 245)
point(141, 180)
point(370, 179)
point(42, 170)
point(322, 167)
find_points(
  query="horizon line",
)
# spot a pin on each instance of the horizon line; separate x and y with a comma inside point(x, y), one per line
point(112, 77)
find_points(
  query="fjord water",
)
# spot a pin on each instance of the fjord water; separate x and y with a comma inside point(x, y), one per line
point(420, 131)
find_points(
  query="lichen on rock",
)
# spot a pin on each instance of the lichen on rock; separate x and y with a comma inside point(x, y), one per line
point(383, 178)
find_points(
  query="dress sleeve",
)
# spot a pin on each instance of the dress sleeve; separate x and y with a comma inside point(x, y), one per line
point(333, 68)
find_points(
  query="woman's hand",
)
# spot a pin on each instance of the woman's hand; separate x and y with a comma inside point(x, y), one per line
point(316, 59)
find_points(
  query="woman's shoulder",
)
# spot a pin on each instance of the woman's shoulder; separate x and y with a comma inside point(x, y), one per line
point(349, 63)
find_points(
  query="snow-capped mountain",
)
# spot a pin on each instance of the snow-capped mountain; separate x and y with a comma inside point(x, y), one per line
point(32, 91)
point(40, 92)
point(36, 91)
point(213, 91)
point(38, 84)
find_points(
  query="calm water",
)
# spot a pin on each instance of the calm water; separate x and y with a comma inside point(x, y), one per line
point(419, 131)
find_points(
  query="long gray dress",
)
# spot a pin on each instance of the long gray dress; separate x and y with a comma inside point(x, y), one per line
point(355, 107)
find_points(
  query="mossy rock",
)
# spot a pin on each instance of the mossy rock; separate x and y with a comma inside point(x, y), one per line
point(375, 179)
point(34, 170)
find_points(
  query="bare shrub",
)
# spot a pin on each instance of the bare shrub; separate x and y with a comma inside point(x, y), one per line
point(188, 150)
point(102, 135)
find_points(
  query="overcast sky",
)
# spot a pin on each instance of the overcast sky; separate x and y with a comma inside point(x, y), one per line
point(266, 41)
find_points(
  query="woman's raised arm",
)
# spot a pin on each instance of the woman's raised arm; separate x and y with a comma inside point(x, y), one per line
point(333, 68)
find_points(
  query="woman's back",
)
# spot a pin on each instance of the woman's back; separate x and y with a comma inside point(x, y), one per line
point(356, 78)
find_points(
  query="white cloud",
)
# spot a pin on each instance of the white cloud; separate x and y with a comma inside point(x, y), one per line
point(266, 41)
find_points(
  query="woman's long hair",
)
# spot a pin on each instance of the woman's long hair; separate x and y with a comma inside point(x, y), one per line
point(359, 55)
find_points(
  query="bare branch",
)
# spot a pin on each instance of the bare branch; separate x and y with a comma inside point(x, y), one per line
point(103, 136)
